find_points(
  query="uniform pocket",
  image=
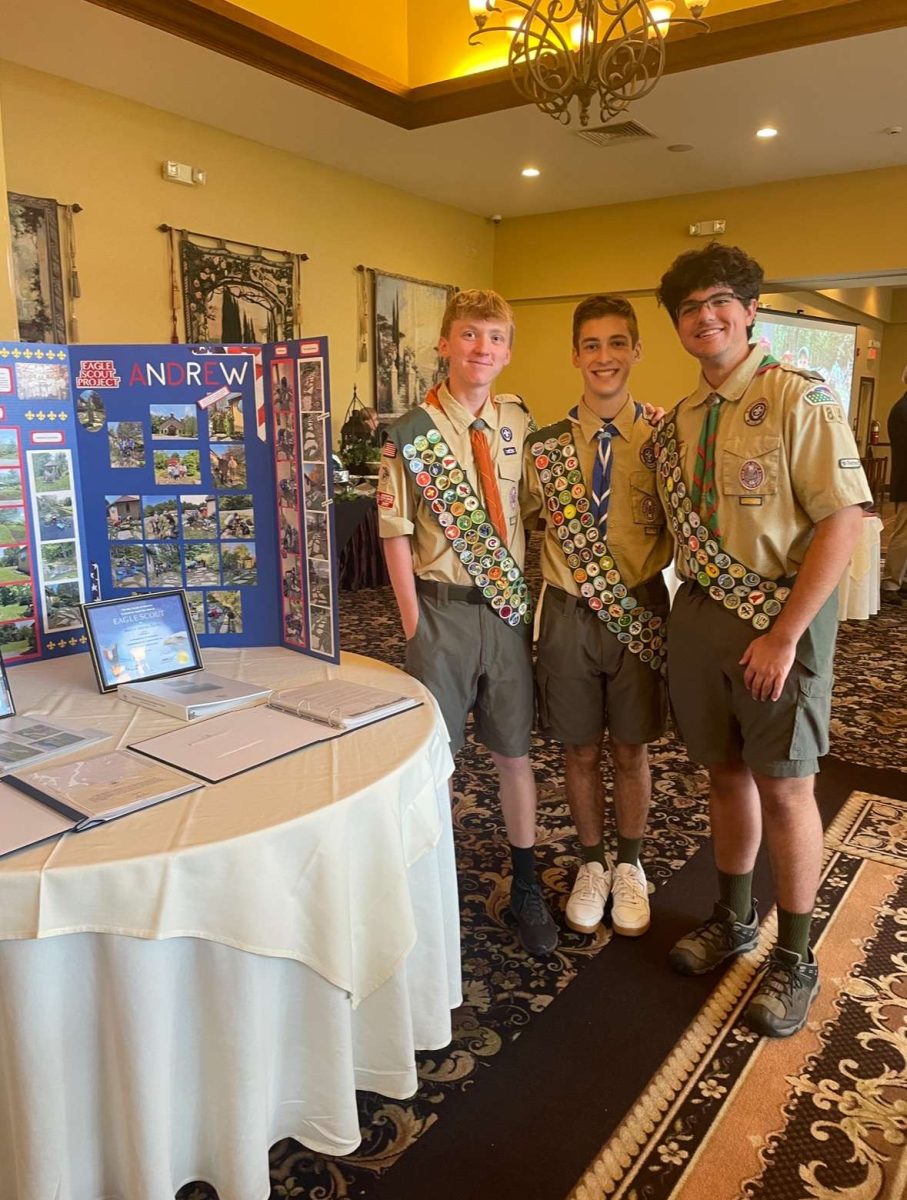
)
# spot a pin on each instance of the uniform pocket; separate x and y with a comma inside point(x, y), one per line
point(646, 507)
point(750, 467)
point(809, 738)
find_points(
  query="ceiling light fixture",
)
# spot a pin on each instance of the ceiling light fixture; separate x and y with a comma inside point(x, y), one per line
point(530, 172)
point(766, 132)
point(609, 51)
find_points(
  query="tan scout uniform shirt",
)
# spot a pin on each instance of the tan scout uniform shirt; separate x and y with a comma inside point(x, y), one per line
point(638, 537)
point(785, 459)
point(403, 511)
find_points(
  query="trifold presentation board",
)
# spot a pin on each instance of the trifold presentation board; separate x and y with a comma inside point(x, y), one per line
point(131, 469)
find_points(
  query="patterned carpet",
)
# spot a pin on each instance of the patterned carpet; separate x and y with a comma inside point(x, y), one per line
point(505, 991)
point(824, 1113)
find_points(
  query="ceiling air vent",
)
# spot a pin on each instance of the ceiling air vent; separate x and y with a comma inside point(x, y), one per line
point(616, 133)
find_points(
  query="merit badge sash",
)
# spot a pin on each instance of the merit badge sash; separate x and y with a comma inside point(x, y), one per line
point(593, 567)
point(455, 506)
point(729, 583)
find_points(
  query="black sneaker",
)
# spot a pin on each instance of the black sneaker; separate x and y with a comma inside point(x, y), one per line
point(781, 1003)
point(537, 930)
point(713, 942)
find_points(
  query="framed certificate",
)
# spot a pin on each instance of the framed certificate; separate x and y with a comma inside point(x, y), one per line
point(137, 638)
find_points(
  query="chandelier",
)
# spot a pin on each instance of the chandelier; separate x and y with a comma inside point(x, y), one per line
point(612, 51)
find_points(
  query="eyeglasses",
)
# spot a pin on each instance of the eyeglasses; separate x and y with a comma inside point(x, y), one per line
point(716, 304)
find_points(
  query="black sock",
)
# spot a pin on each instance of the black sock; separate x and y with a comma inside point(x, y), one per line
point(594, 853)
point(522, 859)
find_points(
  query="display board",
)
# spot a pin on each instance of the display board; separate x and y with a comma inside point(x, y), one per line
point(813, 343)
point(130, 469)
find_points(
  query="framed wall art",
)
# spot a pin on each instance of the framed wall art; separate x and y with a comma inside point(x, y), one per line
point(406, 319)
point(37, 267)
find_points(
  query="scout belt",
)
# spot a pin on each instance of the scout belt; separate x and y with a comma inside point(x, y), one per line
point(729, 583)
point(455, 506)
point(594, 569)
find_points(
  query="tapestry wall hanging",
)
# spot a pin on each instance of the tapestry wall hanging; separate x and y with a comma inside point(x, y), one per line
point(37, 269)
point(237, 293)
point(406, 322)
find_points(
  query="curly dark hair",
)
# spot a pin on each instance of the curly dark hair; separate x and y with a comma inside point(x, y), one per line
point(713, 265)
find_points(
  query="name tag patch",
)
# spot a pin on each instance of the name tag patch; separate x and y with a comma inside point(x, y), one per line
point(849, 464)
point(750, 501)
point(510, 449)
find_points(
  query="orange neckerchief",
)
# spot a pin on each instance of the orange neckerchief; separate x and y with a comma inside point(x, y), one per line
point(481, 452)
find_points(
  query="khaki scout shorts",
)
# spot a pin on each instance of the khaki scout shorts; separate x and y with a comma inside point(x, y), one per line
point(718, 718)
point(588, 681)
point(471, 661)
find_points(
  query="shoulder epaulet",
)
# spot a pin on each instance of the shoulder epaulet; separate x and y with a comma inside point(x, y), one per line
point(802, 372)
point(513, 398)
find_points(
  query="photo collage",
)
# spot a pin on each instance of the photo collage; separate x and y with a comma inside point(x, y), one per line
point(40, 577)
point(199, 534)
point(299, 417)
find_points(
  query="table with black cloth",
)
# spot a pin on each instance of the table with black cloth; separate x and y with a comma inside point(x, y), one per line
point(358, 544)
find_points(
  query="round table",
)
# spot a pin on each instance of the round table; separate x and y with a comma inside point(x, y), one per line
point(183, 987)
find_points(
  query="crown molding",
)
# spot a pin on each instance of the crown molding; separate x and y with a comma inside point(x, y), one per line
point(230, 30)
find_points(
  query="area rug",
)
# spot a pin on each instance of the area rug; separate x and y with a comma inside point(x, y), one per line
point(822, 1116)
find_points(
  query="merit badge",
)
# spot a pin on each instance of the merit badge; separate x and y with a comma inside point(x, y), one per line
point(647, 454)
point(752, 475)
point(820, 395)
point(756, 413)
point(649, 509)
point(409, 450)
point(506, 433)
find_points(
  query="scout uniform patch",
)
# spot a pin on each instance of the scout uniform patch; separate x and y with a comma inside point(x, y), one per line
point(756, 413)
point(820, 395)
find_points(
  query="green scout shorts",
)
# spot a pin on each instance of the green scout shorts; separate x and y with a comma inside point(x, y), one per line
point(717, 716)
point(472, 661)
point(587, 681)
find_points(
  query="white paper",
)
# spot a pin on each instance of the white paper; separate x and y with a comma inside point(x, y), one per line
point(234, 742)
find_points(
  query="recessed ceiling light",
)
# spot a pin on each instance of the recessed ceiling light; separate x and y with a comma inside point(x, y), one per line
point(766, 132)
point(530, 172)
point(679, 148)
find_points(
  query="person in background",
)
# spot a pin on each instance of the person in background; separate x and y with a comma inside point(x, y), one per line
point(896, 556)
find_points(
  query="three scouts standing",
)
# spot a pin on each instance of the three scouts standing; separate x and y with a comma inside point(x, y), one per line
point(760, 491)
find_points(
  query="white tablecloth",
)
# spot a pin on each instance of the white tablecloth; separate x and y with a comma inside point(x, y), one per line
point(860, 591)
point(133, 1057)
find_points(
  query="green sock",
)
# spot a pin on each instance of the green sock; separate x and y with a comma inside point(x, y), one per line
point(736, 891)
point(628, 849)
point(793, 932)
point(594, 853)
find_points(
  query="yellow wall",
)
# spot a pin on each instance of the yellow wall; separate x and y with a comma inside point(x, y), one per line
point(372, 34)
point(9, 325)
point(799, 230)
point(106, 153)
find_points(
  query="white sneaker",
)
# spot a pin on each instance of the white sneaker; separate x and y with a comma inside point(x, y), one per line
point(586, 905)
point(889, 585)
point(629, 900)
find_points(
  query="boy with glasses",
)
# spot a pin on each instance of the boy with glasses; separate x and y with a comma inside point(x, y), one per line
point(591, 477)
point(762, 484)
point(448, 511)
